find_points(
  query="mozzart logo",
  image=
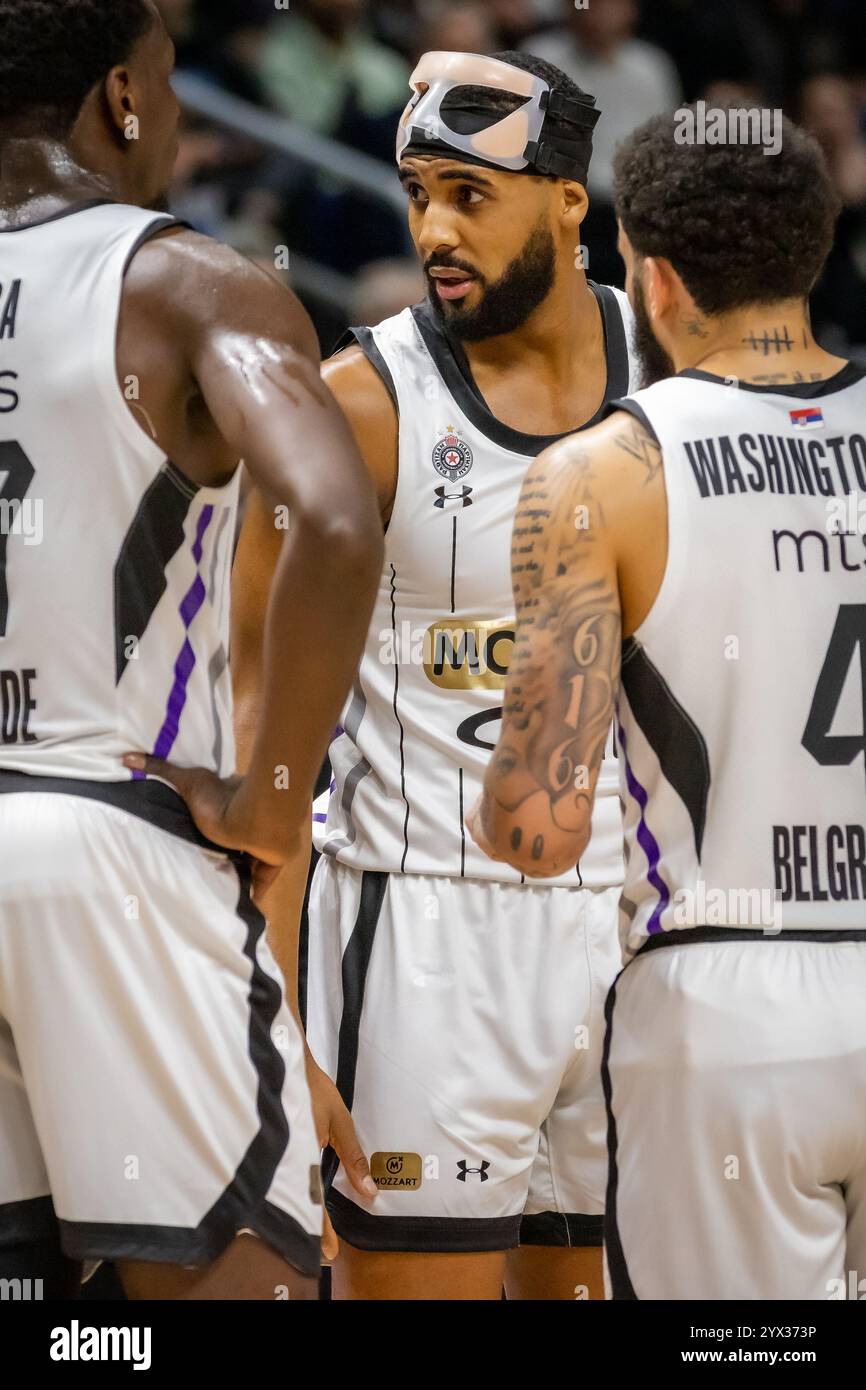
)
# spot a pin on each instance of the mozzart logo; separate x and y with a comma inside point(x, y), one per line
point(468, 655)
point(398, 1172)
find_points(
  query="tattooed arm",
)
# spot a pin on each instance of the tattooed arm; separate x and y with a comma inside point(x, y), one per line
point(536, 808)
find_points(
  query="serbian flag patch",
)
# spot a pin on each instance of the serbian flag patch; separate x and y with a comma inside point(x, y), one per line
point(810, 419)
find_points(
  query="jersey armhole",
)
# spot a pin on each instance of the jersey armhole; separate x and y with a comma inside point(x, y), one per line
point(104, 348)
point(664, 605)
point(365, 339)
point(615, 343)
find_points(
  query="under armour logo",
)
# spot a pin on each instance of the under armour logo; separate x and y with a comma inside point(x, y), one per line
point(466, 1171)
point(463, 497)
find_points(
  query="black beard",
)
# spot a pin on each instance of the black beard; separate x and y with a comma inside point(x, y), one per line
point(505, 306)
point(655, 365)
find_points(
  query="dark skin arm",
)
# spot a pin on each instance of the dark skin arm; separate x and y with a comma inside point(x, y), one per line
point(226, 362)
point(588, 554)
point(370, 411)
point(368, 406)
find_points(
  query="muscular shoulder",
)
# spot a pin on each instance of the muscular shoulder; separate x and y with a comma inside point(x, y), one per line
point(189, 282)
point(614, 479)
point(358, 387)
point(367, 404)
point(614, 462)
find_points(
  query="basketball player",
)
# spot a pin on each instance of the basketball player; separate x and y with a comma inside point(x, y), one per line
point(153, 1108)
point(714, 536)
point(459, 1011)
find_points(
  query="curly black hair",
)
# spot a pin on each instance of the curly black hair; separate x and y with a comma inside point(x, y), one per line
point(52, 52)
point(738, 225)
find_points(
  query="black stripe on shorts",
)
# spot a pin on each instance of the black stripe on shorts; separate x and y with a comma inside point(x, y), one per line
point(244, 1202)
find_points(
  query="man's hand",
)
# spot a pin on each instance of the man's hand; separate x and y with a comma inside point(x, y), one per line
point(335, 1129)
point(220, 808)
point(475, 826)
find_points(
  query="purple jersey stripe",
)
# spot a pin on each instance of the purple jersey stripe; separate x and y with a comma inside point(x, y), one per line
point(647, 841)
point(183, 667)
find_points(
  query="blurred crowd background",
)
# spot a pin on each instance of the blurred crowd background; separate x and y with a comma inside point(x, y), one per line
point(339, 69)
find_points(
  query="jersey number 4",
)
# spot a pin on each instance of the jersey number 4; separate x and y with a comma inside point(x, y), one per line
point(849, 636)
point(19, 473)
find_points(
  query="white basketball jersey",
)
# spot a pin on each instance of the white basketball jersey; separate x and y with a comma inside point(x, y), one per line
point(743, 701)
point(113, 566)
point(427, 704)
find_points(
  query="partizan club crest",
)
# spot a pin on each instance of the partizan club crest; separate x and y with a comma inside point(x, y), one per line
point(452, 457)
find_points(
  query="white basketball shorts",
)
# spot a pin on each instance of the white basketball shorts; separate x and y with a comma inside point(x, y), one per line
point(463, 1023)
point(736, 1076)
point(153, 1097)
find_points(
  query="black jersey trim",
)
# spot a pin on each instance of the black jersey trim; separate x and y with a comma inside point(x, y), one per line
point(615, 346)
point(632, 408)
point(106, 1240)
point(558, 1229)
point(29, 1220)
point(804, 390)
point(64, 212)
point(670, 732)
point(355, 965)
point(686, 936)
point(620, 1279)
point(304, 940)
point(430, 1234)
point(160, 224)
point(145, 798)
point(400, 724)
point(365, 340)
point(244, 1203)
point(453, 365)
point(154, 537)
point(453, 563)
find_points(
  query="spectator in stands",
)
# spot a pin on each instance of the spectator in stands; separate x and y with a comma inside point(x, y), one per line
point(513, 20)
point(786, 41)
point(385, 288)
point(631, 81)
point(829, 109)
point(395, 24)
point(455, 26)
point(319, 66)
point(225, 44)
point(178, 17)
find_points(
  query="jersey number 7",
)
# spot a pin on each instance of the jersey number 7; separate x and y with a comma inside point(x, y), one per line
point(19, 473)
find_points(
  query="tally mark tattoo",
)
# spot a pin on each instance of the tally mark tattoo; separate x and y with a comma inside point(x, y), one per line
point(764, 342)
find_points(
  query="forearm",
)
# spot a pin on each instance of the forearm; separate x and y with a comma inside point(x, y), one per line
point(525, 834)
point(283, 905)
point(317, 620)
